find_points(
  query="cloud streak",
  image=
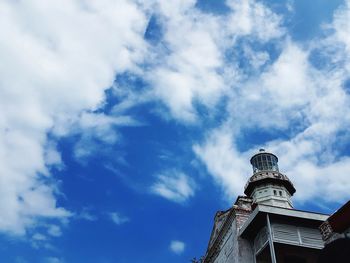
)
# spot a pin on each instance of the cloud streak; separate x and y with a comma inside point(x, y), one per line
point(118, 219)
point(177, 247)
point(174, 186)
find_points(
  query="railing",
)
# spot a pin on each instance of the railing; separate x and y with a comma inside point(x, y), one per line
point(266, 174)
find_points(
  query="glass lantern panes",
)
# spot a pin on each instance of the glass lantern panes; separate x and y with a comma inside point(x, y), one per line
point(264, 162)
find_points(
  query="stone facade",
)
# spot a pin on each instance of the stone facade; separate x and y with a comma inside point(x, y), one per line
point(225, 245)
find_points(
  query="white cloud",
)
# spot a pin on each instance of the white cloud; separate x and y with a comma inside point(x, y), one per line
point(39, 237)
point(57, 60)
point(253, 18)
point(86, 214)
point(228, 166)
point(118, 219)
point(255, 58)
point(191, 71)
point(313, 158)
point(174, 185)
point(290, 5)
point(40, 241)
point(341, 26)
point(279, 95)
point(96, 131)
point(307, 104)
point(54, 231)
point(176, 246)
point(60, 58)
point(313, 166)
point(287, 82)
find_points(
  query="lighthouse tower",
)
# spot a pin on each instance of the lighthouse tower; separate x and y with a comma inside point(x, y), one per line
point(263, 226)
point(267, 185)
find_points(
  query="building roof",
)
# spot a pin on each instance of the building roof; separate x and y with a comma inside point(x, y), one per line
point(340, 220)
point(257, 218)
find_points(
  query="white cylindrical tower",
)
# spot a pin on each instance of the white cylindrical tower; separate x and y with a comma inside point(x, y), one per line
point(267, 185)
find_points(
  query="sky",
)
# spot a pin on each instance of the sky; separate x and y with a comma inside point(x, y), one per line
point(125, 125)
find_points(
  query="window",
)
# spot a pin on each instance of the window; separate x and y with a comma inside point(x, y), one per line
point(280, 192)
point(274, 192)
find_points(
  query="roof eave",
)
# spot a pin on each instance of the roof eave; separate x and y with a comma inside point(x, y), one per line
point(285, 212)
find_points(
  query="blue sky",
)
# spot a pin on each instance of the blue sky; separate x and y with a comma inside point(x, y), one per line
point(125, 125)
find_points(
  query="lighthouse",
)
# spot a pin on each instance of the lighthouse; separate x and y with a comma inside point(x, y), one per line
point(262, 226)
point(267, 185)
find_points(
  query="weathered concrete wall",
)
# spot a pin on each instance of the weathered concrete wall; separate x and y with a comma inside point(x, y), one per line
point(244, 251)
point(235, 249)
point(226, 249)
point(229, 248)
point(272, 194)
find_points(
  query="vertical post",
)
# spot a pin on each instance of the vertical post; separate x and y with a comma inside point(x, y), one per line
point(272, 249)
point(253, 249)
point(254, 257)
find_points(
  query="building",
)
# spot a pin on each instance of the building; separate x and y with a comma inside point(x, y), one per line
point(262, 226)
point(337, 226)
point(336, 234)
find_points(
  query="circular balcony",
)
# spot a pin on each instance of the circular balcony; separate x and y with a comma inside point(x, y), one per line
point(264, 177)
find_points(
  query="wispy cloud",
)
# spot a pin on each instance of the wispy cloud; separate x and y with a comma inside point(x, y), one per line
point(117, 218)
point(87, 214)
point(224, 162)
point(54, 231)
point(177, 247)
point(174, 185)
